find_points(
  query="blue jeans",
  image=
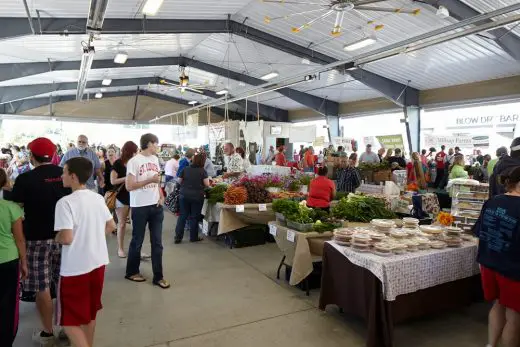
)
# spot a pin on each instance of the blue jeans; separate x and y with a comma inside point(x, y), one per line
point(190, 210)
point(153, 216)
point(168, 178)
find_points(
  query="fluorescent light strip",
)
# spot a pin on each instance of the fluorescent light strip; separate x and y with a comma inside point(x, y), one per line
point(152, 7)
point(222, 92)
point(98, 95)
point(270, 76)
point(86, 64)
point(106, 82)
point(367, 41)
point(193, 102)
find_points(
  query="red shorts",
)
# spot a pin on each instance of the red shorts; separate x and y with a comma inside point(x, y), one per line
point(79, 298)
point(503, 289)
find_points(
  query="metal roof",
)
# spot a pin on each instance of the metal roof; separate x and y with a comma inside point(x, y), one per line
point(470, 59)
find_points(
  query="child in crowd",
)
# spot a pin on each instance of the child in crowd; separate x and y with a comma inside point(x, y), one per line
point(82, 219)
point(498, 230)
point(13, 264)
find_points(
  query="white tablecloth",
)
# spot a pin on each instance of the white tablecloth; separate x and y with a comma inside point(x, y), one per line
point(410, 272)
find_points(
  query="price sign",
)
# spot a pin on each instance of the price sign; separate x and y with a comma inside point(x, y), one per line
point(272, 229)
point(240, 208)
point(291, 235)
point(205, 227)
point(262, 207)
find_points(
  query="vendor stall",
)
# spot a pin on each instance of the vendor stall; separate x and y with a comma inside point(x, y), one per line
point(390, 288)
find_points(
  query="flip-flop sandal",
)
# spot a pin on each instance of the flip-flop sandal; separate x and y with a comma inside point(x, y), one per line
point(162, 284)
point(136, 278)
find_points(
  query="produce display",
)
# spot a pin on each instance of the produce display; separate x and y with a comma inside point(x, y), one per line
point(287, 195)
point(216, 193)
point(235, 195)
point(256, 194)
point(359, 208)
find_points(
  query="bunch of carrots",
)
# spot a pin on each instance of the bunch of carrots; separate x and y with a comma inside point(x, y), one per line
point(235, 196)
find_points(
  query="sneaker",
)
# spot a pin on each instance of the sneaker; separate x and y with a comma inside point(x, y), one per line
point(145, 256)
point(47, 341)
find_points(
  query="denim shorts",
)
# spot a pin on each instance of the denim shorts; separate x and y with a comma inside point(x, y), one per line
point(119, 204)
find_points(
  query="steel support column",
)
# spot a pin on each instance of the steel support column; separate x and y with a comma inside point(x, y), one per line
point(412, 117)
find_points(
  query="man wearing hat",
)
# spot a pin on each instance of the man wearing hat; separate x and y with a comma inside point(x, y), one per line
point(38, 191)
point(504, 164)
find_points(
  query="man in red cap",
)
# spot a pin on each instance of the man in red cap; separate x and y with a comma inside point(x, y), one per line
point(38, 191)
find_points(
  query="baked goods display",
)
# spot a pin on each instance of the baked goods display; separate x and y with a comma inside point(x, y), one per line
point(467, 202)
point(384, 238)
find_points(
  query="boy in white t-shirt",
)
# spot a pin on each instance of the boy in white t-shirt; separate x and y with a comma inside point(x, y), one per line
point(146, 200)
point(82, 219)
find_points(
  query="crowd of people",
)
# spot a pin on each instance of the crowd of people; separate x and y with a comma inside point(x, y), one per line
point(55, 214)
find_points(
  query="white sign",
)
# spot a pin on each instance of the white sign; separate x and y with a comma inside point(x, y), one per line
point(448, 141)
point(506, 118)
point(205, 227)
point(262, 207)
point(345, 142)
point(291, 235)
point(239, 208)
point(272, 229)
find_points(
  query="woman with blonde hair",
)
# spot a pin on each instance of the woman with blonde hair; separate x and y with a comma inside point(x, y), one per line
point(389, 153)
point(415, 170)
point(457, 168)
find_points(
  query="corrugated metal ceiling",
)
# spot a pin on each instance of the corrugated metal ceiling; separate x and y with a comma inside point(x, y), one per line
point(462, 61)
point(203, 9)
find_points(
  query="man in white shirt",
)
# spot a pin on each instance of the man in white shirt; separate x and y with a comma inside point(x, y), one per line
point(235, 165)
point(82, 219)
point(369, 157)
point(146, 201)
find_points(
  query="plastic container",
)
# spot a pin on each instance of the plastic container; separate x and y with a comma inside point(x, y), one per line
point(299, 226)
point(280, 218)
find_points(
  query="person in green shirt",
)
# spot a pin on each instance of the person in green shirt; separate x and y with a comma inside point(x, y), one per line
point(13, 265)
point(491, 165)
point(457, 169)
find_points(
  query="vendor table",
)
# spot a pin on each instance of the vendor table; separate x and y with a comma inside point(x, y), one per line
point(211, 212)
point(299, 251)
point(230, 219)
point(388, 290)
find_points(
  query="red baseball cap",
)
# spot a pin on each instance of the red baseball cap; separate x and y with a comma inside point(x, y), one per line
point(42, 147)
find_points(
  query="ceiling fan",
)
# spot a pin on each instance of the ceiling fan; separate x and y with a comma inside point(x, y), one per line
point(338, 8)
point(184, 83)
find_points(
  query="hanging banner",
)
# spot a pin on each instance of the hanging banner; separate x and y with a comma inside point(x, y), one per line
point(319, 142)
point(448, 141)
point(345, 142)
point(302, 134)
point(391, 141)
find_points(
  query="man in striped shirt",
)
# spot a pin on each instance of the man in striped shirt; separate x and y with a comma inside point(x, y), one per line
point(348, 175)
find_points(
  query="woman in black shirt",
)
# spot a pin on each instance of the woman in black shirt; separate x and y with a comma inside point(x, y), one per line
point(193, 180)
point(117, 179)
point(107, 168)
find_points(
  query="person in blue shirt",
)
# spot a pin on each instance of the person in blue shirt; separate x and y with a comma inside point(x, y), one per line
point(498, 230)
point(83, 150)
point(185, 161)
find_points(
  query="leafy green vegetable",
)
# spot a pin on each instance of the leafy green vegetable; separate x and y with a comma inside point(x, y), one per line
point(216, 194)
point(304, 215)
point(341, 195)
point(374, 167)
point(305, 180)
point(285, 206)
point(357, 208)
point(322, 227)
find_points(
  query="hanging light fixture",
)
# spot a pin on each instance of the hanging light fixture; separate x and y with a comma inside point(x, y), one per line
point(86, 64)
point(98, 95)
point(96, 15)
point(121, 57)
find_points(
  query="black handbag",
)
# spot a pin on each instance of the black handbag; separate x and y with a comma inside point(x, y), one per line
point(172, 201)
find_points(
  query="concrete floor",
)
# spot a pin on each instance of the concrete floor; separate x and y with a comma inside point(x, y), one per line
point(222, 297)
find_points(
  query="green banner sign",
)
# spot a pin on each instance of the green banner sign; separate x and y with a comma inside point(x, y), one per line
point(391, 141)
